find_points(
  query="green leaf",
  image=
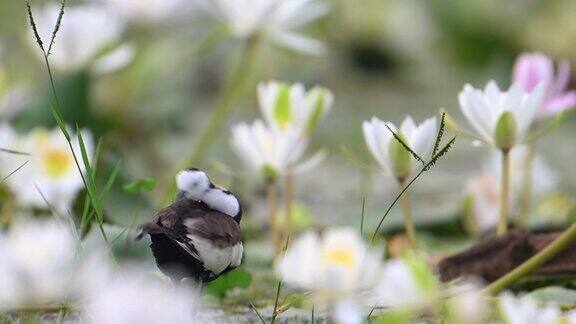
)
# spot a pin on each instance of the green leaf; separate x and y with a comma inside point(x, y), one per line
point(557, 295)
point(135, 187)
point(301, 217)
point(422, 274)
point(282, 109)
point(239, 278)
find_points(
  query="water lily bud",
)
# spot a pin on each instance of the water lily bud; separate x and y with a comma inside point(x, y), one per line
point(269, 173)
point(282, 107)
point(321, 102)
point(505, 131)
point(401, 159)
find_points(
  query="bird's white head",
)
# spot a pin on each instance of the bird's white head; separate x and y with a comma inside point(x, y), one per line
point(195, 184)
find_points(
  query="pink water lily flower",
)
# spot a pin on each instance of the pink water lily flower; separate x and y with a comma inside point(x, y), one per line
point(533, 68)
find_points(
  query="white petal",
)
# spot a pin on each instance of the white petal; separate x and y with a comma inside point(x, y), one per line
point(311, 163)
point(372, 143)
point(423, 139)
point(297, 42)
point(476, 112)
point(408, 127)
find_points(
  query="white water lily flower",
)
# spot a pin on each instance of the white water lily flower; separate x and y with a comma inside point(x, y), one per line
point(501, 118)
point(520, 310)
point(86, 31)
point(38, 262)
point(51, 175)
point(407, 282)
point(392, 157)
point(333, 266)
point(276, 20)
point(136, 299)
point(287, 106)
point(274, 153)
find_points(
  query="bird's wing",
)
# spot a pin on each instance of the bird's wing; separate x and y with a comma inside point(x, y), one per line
point(211, 237)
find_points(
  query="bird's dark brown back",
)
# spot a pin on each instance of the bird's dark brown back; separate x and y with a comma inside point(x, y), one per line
point(187, 216)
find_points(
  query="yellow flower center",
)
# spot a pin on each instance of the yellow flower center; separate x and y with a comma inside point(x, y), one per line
point(340, 257)
point(56, 162)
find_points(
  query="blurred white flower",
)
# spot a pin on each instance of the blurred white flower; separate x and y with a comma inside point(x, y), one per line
point(482, 192)
point(50, 174)
point(149, 11)
point(115, 60)
point(520, 310)
point(12, 100)
point(129, 298)
point(38, 262)
point(501, 118)
point(392, 157)
point(532, 68)
point(86, 31)
point(467, 304)
point(287, 106)
point(274, 153)
point(7, 136)
point(334, 266)
point(347, 312)
point(483, 189)
point(544, 178)
point(274, 19)
point(408, 282)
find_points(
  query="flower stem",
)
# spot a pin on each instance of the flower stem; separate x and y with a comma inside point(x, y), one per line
point(534, 262)
point(206, 136)
point(288, 200)
point(272, 206)
point(527, 182)
point(504, 194)
point(408, 223)
point(221, 110)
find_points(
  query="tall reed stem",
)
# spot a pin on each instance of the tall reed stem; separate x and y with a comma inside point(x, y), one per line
point(408, 222)
point(527, 182)
point(504, 194)
point(209, 131)
point(271, 193)
point(557, 246)
point(288, 202)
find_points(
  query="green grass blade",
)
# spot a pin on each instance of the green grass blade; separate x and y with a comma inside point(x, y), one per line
point(111, 180)
point(13, 172)
point(258, 313)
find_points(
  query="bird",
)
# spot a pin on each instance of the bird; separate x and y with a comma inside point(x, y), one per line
point(198, 236)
